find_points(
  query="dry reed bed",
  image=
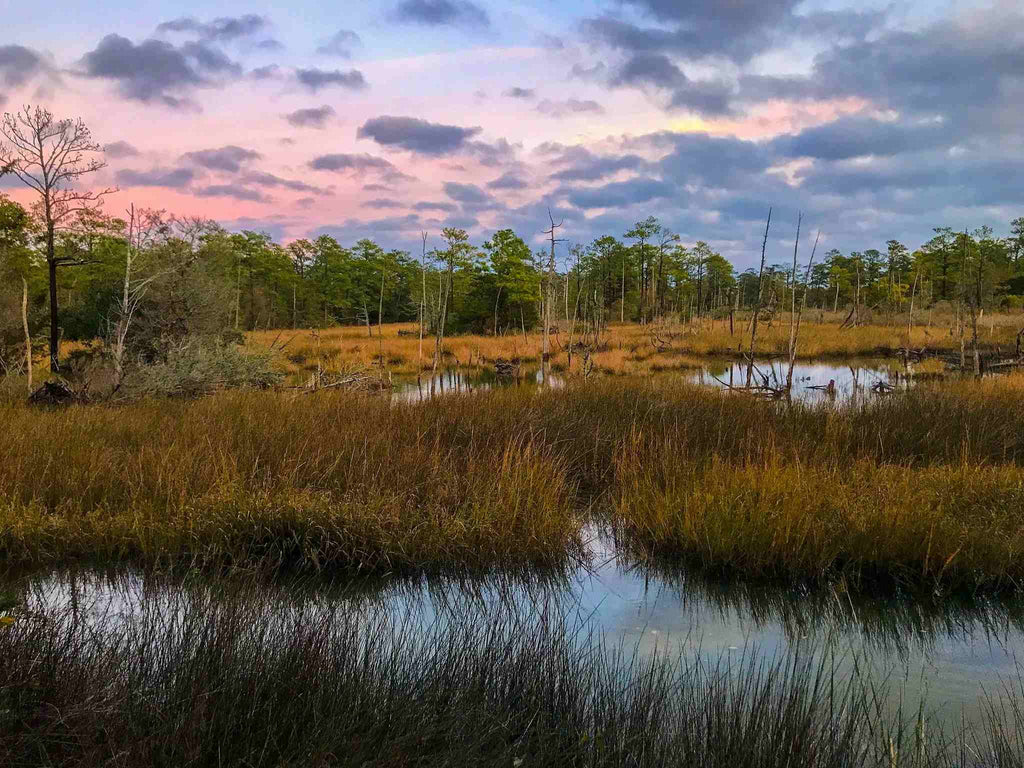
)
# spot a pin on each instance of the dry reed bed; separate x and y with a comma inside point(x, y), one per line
point(625, 349)
point(921, 489)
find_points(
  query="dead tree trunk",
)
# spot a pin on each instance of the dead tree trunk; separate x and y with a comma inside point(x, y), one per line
point(28, 336)
point(757, 304)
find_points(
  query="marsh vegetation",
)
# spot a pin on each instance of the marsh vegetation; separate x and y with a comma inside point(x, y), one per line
point(223, 420)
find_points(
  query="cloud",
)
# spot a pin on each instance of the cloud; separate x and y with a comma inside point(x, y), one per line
point(467, 194)
point(19, 64)
point(520, 93)
point(722, 162)
point(264, 179)
point(357, 164)
point(173, 178)
point(222, 29)
point(381, 203)
point(156, 71)
point(416, 135)
point(268, 72)
point(657, 70)
point(312, 117)
point(436, 206)
point(270, 44)
point(737, 30)
point(315, 78)
point(436, 13)
point(569, 107)
point(232, 190)
point(858, 136)
point(507, 181)
point(340, 44)
point(119, 149)
point(229, 158)
point(621, 194)
point(945, 67)
point(583, 165)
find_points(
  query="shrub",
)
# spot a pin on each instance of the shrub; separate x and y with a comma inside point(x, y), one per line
point(192, 368)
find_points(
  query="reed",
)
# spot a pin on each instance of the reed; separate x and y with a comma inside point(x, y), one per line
point(921, 487)
point(199, 676)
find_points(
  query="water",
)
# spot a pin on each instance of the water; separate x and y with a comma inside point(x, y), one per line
point(946, 653)
point(853, 380)
point(455, 382)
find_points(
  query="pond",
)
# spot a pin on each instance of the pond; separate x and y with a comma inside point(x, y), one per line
point(946, 654)
point(853, 379)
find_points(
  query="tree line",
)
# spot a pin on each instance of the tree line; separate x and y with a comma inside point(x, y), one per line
point(72, 271)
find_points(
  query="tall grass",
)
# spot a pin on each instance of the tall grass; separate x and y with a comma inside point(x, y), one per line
point(197, 678)
point(921, 488)
point(242, 480)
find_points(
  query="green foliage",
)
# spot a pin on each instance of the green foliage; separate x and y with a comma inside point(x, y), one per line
point(202, 280)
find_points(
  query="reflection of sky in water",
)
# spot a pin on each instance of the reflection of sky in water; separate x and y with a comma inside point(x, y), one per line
point(853, 379)
point(949, 651)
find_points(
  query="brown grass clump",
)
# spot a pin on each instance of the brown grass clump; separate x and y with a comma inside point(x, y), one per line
point(332, 481)
point(921, 488)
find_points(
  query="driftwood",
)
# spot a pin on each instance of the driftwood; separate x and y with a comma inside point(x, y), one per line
point(359, 380)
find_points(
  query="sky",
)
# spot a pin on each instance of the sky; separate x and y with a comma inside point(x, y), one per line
point(385, 119)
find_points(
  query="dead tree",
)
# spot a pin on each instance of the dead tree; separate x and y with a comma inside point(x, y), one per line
point(423, 304)
point(799, 314)
point(51, 156)
point(792, 310)
point(757, 304)
point(545, 350)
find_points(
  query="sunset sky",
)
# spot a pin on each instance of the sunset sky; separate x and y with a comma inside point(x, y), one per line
point(877, 119)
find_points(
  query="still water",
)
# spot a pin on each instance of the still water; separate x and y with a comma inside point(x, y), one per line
point(853, 380)
point(948, 654)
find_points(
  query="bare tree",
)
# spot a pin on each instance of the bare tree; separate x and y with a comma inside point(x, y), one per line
point(50, 156)
point(757, 304)
point(143, 228)
point(423, 304)
point(546, 349)
point(799, 313)
point(792, 311)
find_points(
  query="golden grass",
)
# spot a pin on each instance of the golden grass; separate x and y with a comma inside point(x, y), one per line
point(249, 479)
point(946, 525)
point(922, 488)
point(625, 349)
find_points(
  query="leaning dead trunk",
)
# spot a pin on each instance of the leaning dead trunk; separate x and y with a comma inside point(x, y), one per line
point(28, 336)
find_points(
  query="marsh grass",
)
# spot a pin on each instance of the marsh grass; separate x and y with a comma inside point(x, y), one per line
point(203, 678)
point(342, 482)
point(624, 349)
point(946, 527)
point(921, 489)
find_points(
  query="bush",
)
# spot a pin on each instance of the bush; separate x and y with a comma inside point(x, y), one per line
point(192, 369)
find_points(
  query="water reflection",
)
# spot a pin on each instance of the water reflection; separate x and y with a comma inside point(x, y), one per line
point(947, 652)
point(457, 381)
point(852, 380)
